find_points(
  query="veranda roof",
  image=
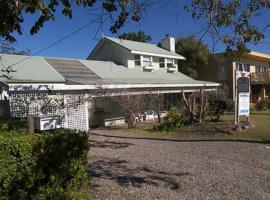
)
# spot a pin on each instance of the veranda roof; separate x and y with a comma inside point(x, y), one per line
point(40, 70)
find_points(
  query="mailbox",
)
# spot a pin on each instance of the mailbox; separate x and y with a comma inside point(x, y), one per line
point(44, 123)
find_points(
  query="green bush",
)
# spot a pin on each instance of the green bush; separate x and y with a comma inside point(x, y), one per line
point(172, 121)
point(218, 104)
point(14, 125)
point(263, 105)
point(47, 166)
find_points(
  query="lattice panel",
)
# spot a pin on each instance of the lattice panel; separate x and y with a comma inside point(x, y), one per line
point(76, 115)
point(73, 114)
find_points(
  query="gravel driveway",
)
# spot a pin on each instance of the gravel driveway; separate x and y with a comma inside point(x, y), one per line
point(128, 166)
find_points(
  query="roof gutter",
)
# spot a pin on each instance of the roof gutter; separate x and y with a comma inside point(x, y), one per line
point(158, 55)
point(63, 87)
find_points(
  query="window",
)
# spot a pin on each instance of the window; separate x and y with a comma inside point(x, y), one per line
point(137, 59)
point(161, 62)
point(243, 67)
point(261, 69)
point(257, 69)
point(147, 61)
point(169, 62)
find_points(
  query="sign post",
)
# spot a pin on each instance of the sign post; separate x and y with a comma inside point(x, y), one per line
point(242, 98)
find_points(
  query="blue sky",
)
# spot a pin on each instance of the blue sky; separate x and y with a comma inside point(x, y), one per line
point(161, 19)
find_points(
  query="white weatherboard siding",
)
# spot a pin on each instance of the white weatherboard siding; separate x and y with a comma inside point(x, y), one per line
point(111, 52)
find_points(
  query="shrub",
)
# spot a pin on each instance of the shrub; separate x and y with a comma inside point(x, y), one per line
point(172, 121)
point(14, 125)
point(263, 105)
point(218, 104)
point(47, 166)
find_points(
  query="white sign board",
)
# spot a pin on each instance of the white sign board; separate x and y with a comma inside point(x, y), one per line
point(244, 103)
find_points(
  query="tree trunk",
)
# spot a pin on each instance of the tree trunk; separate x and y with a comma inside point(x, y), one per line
point(190, 113)
point(201, 106)
point(30, 124)
point(132, 121)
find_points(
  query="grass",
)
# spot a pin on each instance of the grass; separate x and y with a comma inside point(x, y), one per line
point(260, 133)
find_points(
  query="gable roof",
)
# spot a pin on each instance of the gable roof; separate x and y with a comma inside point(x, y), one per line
point(34, 69)
point(141, 48)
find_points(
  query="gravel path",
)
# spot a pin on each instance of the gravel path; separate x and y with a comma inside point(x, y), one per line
point(123, 166)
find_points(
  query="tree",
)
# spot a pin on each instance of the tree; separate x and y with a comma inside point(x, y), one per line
point(196, 53)
point(140, 36)
point(7, 48)
point(231, 22)
point(195, 105)
point(131, 105)
point(12, 13)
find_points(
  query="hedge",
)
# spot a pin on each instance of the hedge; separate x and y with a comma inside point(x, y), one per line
point(44, 166)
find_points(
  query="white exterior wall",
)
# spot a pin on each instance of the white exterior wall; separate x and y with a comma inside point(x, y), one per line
point(155, 62)
point(111, 52)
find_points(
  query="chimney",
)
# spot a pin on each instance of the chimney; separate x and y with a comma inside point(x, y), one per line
point(168, 43)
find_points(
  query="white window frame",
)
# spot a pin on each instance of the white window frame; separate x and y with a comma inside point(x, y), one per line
point(137, 60)
point(163, 63)
point(169, 62)
point(147, 60)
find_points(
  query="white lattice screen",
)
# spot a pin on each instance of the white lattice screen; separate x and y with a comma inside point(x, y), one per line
point(72, 115)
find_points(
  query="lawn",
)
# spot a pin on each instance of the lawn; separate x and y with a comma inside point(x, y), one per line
point(260, 133)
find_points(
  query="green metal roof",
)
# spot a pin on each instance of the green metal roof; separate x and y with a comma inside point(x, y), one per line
point(113, 73)
point(144, 47)
point(28, 69)
point(33, 69)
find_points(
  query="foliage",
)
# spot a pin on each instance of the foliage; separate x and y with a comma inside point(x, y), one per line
point(47, 166)
point(263, 105)
point(140, 36)
point(231, 22)
point(7, 48)
point(224, 16)
point(14, 125)
point(13, 13)
point(173, 120)
point(218, 104)
point(195, 52)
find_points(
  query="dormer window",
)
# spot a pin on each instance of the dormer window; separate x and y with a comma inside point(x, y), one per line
point(147, 61)
point(137, 59)
point(162, 62)
point(169, 62)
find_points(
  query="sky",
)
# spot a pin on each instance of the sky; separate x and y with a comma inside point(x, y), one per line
point(159, 20)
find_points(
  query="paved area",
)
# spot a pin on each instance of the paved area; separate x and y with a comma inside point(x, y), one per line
point(129, 166)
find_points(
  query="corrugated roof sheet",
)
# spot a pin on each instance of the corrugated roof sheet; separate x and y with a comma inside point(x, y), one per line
point(29, 69)
point(86, 72)
point(143, 47)
point(72, 70)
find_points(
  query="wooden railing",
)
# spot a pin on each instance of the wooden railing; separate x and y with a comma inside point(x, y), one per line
point(260, 78)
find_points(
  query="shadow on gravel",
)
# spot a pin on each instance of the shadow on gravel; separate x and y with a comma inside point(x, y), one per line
point(117, 170)
point(180, 140)
point(109, 144)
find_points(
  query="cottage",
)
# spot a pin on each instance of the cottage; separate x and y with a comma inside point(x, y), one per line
point(43, 86)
